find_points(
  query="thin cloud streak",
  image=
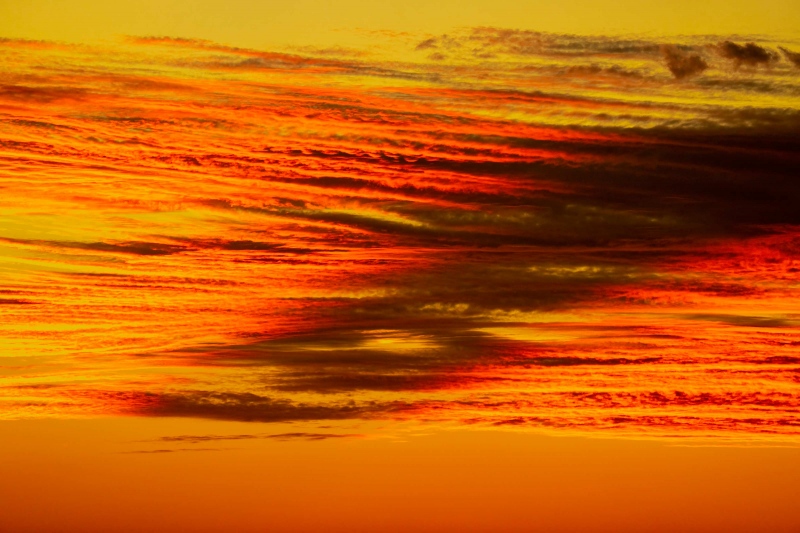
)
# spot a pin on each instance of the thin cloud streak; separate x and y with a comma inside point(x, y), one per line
point(195, 439)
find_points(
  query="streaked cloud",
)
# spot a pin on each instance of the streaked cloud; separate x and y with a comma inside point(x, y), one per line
point(490, 226)
point(175, 450)
point(195, 439)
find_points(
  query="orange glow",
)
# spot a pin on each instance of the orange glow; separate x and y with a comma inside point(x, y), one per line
point(475, 233)
point(207, 225)
point(111, 472)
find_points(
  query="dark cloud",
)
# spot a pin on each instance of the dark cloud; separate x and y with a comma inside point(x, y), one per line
point(250, 407)
point(175, 450)
point(595, 70)
point(580, 361)
point(427, 44)
point(748, 54)
point(488, 42)
point(793, 57)
point(41, 95)
point(165, 40)
point(347, 359)
point(746, 321)
point(40, 124)
point(682, 64)
point(14, 301)
point(523, 42)
point(609, 399)
point(778, 360)
point(312, 436)
point(194, 439)
point(134, 248)
point(673, 426)
point(29, 43)
point(336, 51)
point(244, 246)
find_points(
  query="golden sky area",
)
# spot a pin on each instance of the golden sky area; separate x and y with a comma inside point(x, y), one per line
point(260, 23)
point(446, 267)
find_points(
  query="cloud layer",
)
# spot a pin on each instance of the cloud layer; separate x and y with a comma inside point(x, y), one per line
point(494, 227)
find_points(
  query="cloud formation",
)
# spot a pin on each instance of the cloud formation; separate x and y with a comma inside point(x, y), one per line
point(532, 230)
point(793, 57)
point(749, 54)
point(682, 64)
point(195, 439)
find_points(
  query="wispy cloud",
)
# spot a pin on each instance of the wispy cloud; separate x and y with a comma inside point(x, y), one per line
point(175, 450)
point(195, 439)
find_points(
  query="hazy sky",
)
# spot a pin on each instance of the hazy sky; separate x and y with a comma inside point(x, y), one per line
point(252, 23)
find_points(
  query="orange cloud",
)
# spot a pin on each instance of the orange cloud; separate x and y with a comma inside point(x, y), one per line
point(538, 230)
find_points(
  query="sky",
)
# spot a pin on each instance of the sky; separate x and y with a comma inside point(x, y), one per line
point(539, 234)
point(260, 23)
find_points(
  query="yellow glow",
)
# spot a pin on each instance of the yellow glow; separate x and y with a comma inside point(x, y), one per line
point(323, 22)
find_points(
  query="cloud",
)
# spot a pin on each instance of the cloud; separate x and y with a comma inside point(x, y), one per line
point(512, 234)
point(14, 301)
point(748, 54)
point(427, 44)
point(134, 248)
point(682, 64)
point(746, 321)
point(36, 44)
point(251, 407)
point(175, 450)
point(523, 42)
point(793, 57)
point(573, 361)
point(41, 95)
point(194, 439)
point(335, 51)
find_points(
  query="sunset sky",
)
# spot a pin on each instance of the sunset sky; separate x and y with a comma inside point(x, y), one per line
point(452, 266)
